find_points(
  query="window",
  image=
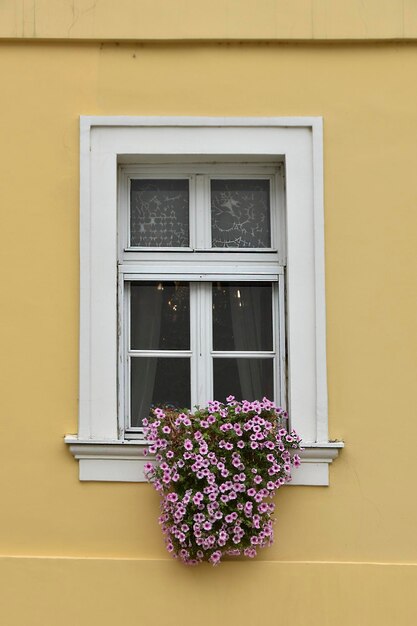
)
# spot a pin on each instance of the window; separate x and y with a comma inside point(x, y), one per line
point(156, 235)
point(201, 272)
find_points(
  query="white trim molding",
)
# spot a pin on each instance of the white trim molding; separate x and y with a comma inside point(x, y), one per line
point(297, 142)
point(124, 461)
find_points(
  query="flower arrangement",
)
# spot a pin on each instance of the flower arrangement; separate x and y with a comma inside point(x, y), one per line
point(217, 471)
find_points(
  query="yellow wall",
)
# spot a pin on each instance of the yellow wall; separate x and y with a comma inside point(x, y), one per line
point(86, 553)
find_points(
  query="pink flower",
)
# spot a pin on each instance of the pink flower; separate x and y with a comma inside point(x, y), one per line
point(250, 552)
point(215, 557)
point(234, 552)
point(198, 497)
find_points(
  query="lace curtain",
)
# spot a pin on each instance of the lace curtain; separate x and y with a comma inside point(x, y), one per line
point(240, 214)
point(159, 213)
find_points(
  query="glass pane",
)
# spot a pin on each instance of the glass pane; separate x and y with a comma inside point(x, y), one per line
point(240, 214)
point(242, 316)
point(160, 315)
point(246, 379)
point(158, 382)
point(159, 213)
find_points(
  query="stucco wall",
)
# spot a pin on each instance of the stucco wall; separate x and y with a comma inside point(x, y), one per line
point(87, 553)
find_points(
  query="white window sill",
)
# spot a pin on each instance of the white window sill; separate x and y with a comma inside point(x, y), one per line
point(123, 461)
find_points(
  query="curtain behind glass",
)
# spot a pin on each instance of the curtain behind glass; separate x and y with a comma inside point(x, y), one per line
point(150, 327)
point(247, 327)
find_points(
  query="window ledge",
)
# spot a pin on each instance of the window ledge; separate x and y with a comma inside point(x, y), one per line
point(123, 461)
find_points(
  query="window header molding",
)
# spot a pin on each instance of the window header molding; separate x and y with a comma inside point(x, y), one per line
point(248, 21)
point(107, 141)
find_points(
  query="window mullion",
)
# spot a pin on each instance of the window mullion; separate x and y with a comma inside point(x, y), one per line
point(204, 343)
point(202, 212)
point(192, 214)
point(280, 342)
point(194, 342)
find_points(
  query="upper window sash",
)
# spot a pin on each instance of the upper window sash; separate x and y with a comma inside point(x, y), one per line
point(199, 218)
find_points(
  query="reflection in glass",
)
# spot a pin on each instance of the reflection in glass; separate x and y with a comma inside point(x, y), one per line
point(246, 379)
point(160, 315)
point(157, 381)
point(242, 316)
point(159, 212)
point(240, 214)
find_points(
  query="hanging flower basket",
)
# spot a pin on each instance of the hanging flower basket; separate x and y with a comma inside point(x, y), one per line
point(217, 471)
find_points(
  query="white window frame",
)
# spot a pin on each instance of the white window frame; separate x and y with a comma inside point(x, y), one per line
point(103, 452)
point(201, 268)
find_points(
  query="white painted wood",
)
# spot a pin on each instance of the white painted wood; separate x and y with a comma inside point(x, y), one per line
point(205, 257)
point(279, 327)
point(161, 353)
point(118, 461)
point(205, 373)
point(177, 169)
point(240, 354)
point(129, 470)
point(195, 276)
point(194, 342)
point(90, 121)
point(301, 334)
point(103, 294)
point(297, 142)
point(322, 432)
point(123, 391)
